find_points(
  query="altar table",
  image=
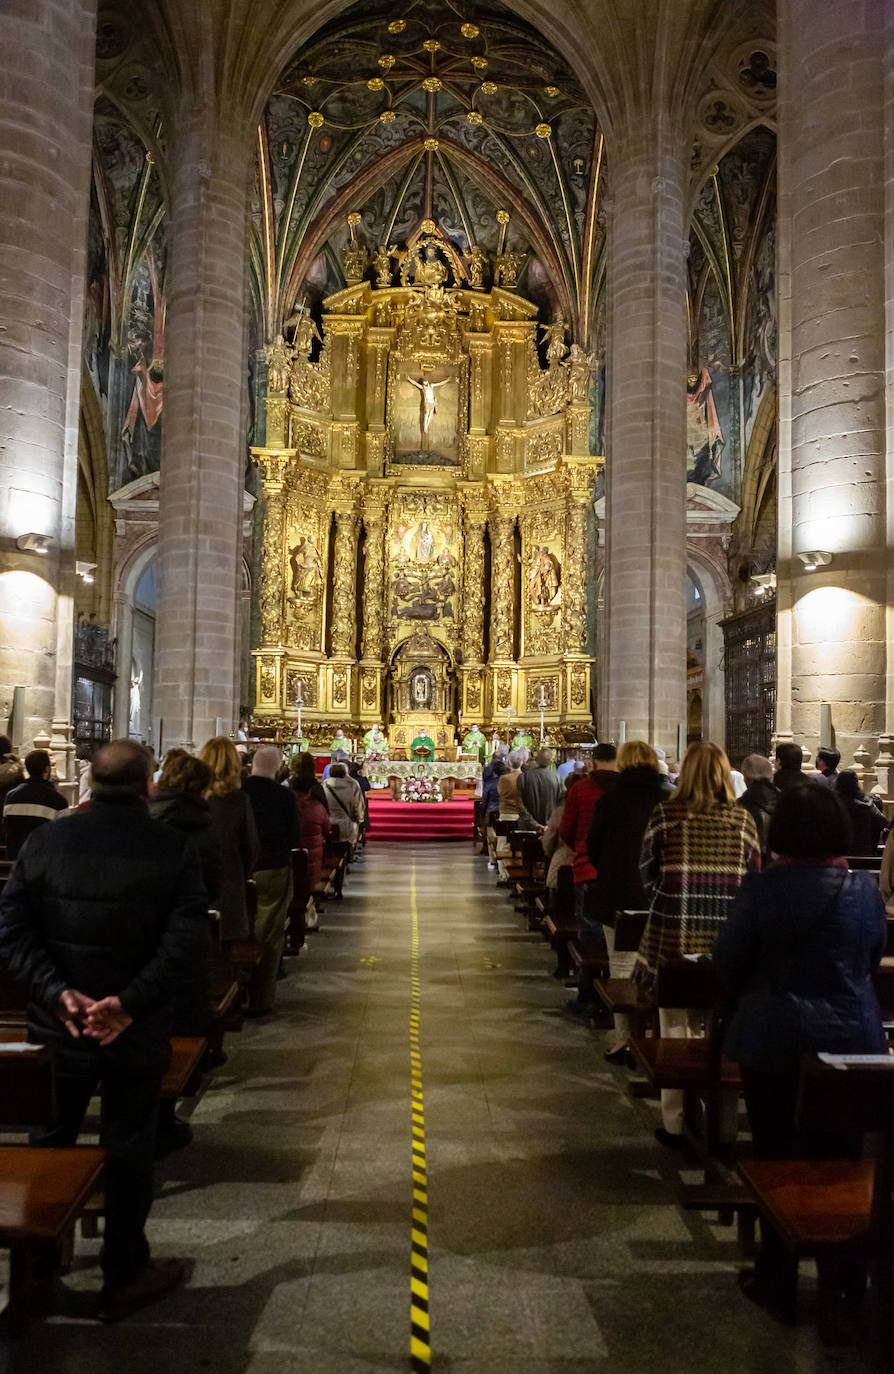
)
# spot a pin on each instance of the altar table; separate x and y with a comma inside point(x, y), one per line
point(394, 771)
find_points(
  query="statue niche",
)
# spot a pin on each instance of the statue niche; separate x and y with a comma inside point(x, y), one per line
point(421, 682)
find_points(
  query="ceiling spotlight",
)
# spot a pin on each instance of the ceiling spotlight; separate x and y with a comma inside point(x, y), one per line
point(84, 570)
point(34, 543)
point(815, 558)
point(764, 582)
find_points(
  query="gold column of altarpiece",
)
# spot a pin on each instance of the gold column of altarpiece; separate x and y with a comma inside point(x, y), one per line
point(424, 432)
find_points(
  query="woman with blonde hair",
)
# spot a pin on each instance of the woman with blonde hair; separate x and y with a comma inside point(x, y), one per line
point(234, 825)
point(616, 834)
point(697, 848)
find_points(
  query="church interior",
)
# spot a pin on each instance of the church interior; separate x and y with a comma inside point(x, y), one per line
point(413, 378)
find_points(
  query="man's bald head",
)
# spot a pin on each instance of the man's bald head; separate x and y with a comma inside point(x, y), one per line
point(267, 761)
point(121, 769)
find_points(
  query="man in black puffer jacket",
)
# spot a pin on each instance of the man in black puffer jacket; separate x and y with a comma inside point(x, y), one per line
point(104, 917)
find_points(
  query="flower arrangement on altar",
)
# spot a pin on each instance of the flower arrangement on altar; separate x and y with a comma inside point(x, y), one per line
point(420, 790)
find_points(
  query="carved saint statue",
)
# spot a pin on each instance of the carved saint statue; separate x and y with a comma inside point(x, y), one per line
point(382, 264)
point(543, 578)
point(278, 359)
point(305, 331)
point(555, 340)
point(579, 365)
point(307, 568)
point(430, 271)
point(425, 544)
point(477, 262)
point(428, 405)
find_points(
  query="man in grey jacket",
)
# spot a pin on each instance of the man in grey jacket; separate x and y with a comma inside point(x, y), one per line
point(540, 787)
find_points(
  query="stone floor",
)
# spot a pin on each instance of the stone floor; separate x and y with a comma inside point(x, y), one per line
point(555, 1245)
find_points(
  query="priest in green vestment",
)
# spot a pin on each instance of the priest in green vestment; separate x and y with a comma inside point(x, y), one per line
point(422, 750)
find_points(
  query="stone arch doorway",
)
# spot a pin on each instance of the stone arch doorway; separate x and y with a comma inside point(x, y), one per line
point(704, 614)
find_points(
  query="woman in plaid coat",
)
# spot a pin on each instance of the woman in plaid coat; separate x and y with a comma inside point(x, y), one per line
point(697, 848)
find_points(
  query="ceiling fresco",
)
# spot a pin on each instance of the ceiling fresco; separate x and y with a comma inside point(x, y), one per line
point(429, 111)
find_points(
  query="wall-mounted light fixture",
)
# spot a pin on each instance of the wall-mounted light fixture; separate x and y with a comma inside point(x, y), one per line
point(34, 543)
point(765, 582)
point(84, 570)
point(814, 559)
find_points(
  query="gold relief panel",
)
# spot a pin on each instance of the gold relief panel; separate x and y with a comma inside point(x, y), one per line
point(267, 680)
point(579, 694)
point(503, 699)
point(542, 582)
point(423, 551)
point(306, 679)
point(543, 448)
point(542, 694)
point(375, 453)
point(504, 450)
point(473, 693)
point(369, 689)
point(306, 553)
point(340, 687)
point(308, 439)
point(277, 422)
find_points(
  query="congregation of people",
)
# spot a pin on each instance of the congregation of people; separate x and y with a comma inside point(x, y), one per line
point(117, 911)
point(776, 876)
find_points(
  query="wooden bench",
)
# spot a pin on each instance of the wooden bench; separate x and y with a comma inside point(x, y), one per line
point(298, 906)
point(623, 995)
point(184, 1072)
point(559, 923)
point(42, 1191)
point(836, 1208)
point(693, 1065)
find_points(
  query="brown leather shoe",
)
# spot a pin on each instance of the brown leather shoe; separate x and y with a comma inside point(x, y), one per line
point(159, 1278)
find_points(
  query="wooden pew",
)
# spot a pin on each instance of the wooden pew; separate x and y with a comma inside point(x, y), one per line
point(184, 1073)
point(300, 898)
point(559, 921)
point(623, 995)
point(693, 1065)
point(832, 1208)
point(42, 1191)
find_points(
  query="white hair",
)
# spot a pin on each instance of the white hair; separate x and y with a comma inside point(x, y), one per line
point(267, 761)
point(516, 758)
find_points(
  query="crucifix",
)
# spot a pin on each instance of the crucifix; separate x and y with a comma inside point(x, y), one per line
point(299, 702)
point(509, 714)
point(542, 705)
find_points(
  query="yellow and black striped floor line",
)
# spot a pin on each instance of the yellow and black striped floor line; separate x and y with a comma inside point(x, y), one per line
point(420, 1327)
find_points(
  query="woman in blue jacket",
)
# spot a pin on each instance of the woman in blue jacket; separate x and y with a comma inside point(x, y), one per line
point(797, 956)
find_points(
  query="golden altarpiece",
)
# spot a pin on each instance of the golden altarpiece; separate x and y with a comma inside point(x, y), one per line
point(427, 483)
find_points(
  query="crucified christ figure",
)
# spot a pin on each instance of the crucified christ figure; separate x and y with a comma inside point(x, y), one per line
point(429, 405)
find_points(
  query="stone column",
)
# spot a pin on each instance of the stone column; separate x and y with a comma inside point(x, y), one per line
point(502, 595)
point(644, 671)
point(836, 145)
point(374, 587)
point(203, 458)
point(46, 65)
point(344, 586)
